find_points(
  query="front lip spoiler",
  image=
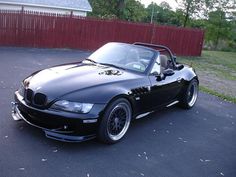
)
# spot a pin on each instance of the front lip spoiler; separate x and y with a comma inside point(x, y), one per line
point(52, 134)
point(67, 138)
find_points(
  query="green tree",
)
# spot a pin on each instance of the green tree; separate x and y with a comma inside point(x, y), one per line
point(217, 27)
point(131, 10)
point(165, 5)
point(134, 11)
point(220, 24)
point(190, 8)
point(102, 9)
point(163, 14)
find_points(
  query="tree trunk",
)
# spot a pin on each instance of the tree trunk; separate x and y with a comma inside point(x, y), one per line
point(218, 32)
point(187, 14)
point(120, 8)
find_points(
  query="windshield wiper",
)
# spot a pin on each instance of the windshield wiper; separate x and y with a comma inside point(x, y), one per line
point(112, 65)
point(106, 64)
point(87, 59)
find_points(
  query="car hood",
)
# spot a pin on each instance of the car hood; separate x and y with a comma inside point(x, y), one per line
point(61, 80)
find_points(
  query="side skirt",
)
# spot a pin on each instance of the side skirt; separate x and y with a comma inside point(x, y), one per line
point(147, 113)
point(143, 115)
point(173, 103)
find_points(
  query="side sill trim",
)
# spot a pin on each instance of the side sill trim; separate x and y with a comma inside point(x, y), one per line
point(173, 103)
point(143, 115)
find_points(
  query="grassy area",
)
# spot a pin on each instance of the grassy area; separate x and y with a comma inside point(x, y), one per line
point(222, 96)
point(217, 71)
point(222, 64)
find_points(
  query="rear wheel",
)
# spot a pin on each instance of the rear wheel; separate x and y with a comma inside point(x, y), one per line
point(190, 95)
point(115, 122)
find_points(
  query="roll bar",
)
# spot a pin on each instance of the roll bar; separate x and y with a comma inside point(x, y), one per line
point(154, 46)
point(173, 58)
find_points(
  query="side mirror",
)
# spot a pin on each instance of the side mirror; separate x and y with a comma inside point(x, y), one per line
point(159, 77)
point(168, 72)
point(179, 66)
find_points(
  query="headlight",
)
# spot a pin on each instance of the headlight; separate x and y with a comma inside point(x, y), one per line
point(72, 106)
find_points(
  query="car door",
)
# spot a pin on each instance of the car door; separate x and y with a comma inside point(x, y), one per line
point(164, 89)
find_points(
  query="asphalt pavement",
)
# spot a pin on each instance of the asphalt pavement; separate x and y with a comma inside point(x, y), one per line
point(173, 142)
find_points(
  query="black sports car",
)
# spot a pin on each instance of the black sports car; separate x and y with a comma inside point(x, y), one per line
point(99, 96)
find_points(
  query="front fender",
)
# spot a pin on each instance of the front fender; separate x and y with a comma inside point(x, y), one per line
point(99, 94)
point(189, 73)
point(104, 94)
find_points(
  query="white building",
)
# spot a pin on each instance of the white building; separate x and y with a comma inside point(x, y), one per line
point(76, 7)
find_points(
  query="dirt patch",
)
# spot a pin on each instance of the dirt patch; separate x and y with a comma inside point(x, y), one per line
point(222, 86)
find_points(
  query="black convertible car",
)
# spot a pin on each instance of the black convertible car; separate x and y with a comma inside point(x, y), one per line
point(99, 96)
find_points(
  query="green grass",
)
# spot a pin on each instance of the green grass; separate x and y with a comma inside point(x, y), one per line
point(222, 64)
point(214, 64)
point(222, 96)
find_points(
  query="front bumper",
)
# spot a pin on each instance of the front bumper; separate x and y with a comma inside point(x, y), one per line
point(58, 125)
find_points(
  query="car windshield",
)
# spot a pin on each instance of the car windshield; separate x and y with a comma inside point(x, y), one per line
point(124, 56)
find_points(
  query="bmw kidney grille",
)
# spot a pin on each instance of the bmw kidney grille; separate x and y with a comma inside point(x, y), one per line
point(38, 99)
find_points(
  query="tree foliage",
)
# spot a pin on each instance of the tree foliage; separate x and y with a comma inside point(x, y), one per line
point(220, 22)
point(130, 10)
point(163, 14)
point(218, 27)
point(190, 8)
point(134, 11)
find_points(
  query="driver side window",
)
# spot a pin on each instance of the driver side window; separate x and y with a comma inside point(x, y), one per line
point(156, 67)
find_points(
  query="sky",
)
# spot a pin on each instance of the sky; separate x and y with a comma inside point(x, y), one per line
point(172, 3)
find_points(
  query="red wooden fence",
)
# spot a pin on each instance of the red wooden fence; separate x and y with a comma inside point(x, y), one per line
point(30, 29)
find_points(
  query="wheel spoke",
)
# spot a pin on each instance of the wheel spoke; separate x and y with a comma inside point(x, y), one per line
point(119, 121)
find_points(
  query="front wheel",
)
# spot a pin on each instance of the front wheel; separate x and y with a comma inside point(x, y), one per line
point(190, 95)
point(115, 121)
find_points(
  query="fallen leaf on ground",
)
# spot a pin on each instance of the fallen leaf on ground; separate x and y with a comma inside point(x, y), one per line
point(207, 160)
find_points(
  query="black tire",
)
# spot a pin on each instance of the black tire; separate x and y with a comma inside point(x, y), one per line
point(115, 121)
point(190, 95)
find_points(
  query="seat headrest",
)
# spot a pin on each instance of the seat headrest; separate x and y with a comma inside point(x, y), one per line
point(164, 61)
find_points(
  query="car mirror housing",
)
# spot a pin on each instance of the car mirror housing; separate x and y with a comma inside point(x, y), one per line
point(159, 76)
point(179, 66)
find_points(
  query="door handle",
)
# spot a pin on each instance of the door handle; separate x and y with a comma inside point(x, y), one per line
point(179, 79)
